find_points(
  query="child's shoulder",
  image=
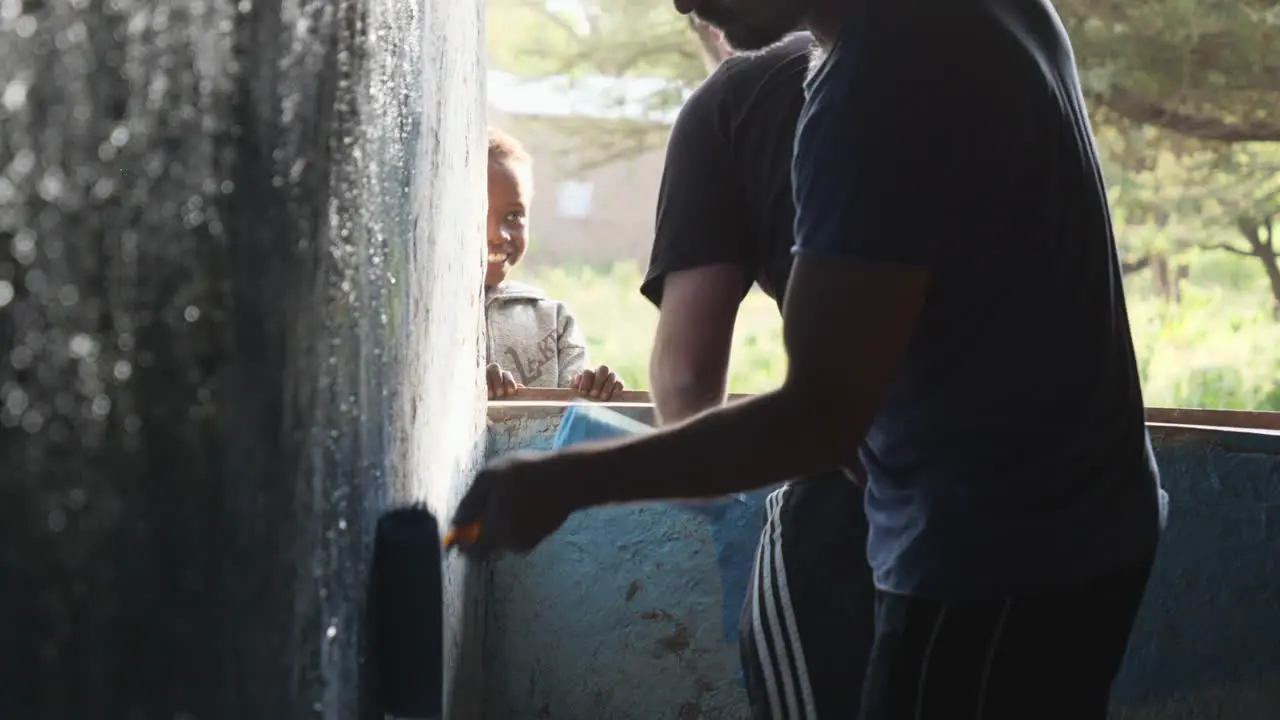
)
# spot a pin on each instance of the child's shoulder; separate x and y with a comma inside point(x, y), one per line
point(523, 304)
point(512, 291)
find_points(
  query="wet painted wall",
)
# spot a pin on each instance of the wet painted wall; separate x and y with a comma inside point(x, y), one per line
point(239, 272)
point(632, 612)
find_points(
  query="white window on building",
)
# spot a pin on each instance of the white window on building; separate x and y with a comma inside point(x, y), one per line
point(573, 199)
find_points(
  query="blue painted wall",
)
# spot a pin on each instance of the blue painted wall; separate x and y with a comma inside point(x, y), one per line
point(576, 630)
point(1207, 642)
point(618, 616)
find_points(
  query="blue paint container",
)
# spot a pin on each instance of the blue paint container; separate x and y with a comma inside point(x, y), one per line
point(585, 423)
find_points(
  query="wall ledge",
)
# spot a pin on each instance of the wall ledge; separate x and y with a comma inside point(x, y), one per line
point(554, 400)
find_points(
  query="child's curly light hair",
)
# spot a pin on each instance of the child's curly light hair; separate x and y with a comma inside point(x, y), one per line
point(503, 147)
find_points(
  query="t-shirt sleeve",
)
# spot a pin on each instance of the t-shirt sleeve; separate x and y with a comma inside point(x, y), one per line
point(892, 159)
point(701, 217)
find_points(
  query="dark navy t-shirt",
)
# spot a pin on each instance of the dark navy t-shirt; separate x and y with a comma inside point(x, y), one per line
point(1010, 454)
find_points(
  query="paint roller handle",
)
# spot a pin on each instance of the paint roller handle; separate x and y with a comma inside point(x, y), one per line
point(460, 535)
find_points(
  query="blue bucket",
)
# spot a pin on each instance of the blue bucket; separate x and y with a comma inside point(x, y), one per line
point(585, 423)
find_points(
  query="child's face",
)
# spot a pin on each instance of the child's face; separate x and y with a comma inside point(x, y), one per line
point(510, 191)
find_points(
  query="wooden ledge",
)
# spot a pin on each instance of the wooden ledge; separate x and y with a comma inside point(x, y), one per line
point(1224, 419)
point(1194, 417)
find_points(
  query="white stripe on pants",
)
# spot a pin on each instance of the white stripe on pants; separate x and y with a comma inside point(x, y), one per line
point(773, 624)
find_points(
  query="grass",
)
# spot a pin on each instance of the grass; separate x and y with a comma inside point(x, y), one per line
point(619, 324)
point(1219, 348)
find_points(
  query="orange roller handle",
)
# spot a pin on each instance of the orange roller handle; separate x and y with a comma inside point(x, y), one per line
point(464, 534)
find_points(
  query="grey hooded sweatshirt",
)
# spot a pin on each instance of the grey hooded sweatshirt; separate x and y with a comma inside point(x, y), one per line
point(533, 337)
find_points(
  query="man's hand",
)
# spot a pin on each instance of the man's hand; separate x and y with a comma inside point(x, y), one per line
point(518, 503)
point(599, 384)
point(501, 382)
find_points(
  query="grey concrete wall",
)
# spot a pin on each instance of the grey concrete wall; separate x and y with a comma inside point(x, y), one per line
point(445, 423)
point(632, 612)
point(239, 269)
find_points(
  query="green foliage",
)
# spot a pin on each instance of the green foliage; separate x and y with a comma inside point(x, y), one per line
point(1217, 349)
point(613, 38)
point(1204, 69)
point(1183, 94)
point(1154, 185)
point(617, 38)
point(1207, 70)
point(619, 324)
point(1214, 197)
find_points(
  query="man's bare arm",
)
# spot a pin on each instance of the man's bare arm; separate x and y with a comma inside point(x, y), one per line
point(689, 366)
point(848, 325)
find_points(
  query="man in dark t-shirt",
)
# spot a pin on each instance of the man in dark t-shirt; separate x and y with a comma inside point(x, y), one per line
point(725, 219)
point(955, 317)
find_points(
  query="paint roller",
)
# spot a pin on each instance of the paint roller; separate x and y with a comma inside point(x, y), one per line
point(407, 613)
point(407, 601)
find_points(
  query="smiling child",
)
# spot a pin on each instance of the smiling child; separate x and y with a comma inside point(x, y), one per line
point(533, 340)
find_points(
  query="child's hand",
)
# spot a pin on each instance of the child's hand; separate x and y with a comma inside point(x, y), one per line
point(501, 383)
point(599, 384)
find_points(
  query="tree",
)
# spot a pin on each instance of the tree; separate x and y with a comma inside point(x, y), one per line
point(1220, 197)
point(1255, 210)
point(614, 38)
point(1203, 69)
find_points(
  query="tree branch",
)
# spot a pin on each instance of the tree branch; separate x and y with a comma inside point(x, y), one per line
point(1135, 109)
point(1231, 249)
point(1133, 266)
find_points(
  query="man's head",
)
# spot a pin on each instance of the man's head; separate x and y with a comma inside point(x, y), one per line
point(748, 24)
point(510, 193)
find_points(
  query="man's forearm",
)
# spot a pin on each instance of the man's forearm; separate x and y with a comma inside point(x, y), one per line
point(740, 447)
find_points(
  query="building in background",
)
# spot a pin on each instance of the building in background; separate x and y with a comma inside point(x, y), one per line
point(598, 147)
